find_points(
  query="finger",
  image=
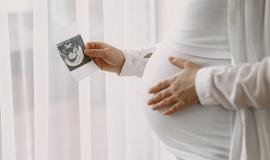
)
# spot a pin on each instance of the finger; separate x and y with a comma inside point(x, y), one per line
point(176, 107)
point(179, 62)
point(160, 86)
point(158, 97)
point(99, 63)
point(169, 101)
point(100, 53)
point(95, 45)
point(102, 65)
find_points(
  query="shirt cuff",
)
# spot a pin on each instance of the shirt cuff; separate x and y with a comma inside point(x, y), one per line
point(203, 84)
point(134, 64)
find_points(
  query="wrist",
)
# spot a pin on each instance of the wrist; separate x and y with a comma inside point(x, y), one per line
point(122, 62)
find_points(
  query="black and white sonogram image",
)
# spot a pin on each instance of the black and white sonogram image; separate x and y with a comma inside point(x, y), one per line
point(71, 51)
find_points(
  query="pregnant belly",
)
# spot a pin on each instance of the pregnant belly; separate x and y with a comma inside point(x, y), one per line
point(200, 131)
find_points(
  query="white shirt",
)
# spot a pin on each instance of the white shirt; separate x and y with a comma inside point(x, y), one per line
point(243, 86)
point(201, 29)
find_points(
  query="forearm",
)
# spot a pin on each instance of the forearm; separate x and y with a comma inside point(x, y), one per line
point(235, 87)
point(135, 61)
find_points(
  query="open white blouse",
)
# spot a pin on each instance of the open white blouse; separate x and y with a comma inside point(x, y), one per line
point(243, 86)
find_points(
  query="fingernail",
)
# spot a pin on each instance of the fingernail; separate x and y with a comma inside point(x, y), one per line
point(171, 58)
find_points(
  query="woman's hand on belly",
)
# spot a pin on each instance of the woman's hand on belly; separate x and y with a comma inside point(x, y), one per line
point(178, 92)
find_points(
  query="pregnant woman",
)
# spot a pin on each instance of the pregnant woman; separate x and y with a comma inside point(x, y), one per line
point(202, 37)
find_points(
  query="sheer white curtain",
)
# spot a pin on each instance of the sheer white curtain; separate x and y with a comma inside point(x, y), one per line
point(45, 114)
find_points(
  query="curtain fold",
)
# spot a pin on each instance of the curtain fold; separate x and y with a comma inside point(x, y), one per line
point(41, 78)
point(82, 13)
point(6, 93)
point(24, 123)
point(64, 100)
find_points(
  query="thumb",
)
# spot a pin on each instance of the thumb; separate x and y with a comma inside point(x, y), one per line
point(178, 62)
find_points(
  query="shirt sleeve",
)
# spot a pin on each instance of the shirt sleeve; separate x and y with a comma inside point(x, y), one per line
point(135, 61)
point(235, 87)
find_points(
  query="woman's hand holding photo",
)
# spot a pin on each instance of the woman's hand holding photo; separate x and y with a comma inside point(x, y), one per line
point(106, 57)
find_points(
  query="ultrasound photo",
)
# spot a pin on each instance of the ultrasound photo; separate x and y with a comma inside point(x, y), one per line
point(71, 51)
